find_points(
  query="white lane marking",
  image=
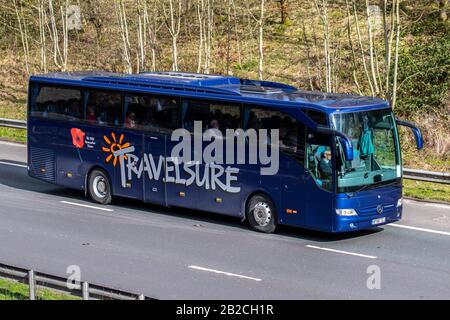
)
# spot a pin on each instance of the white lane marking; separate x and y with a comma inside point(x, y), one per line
point(419, 229)
point(340, 251)
point(14, 164)
point(13, 144)
point(225, 273)
point(86, 206)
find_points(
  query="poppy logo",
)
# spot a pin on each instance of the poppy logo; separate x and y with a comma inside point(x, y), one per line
point(77, 137)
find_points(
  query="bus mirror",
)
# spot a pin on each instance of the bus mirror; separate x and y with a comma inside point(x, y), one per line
point(346, 144)
point(346, 141)
point(415, 130)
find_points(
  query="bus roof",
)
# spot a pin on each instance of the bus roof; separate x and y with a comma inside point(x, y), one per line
point(216, 86)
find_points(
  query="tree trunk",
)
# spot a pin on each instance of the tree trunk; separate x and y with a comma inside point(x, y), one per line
point(443, 10)
point(283, 11)
point(261, 41)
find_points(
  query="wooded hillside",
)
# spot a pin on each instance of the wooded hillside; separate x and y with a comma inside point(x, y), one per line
point(394, 49)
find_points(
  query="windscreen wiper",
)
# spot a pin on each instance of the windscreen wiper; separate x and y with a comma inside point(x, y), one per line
point(366, 186)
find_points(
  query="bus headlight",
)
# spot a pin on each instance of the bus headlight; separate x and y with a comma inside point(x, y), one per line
point(346, 212)
point(399, 202)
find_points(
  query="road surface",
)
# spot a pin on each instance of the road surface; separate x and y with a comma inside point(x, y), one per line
point(183, 254)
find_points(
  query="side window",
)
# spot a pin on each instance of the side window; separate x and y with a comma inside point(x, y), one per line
point(140, 112)
point(213, 115)
point(291, 131)
point(56, 103)
point(150, 113)
point(317, 116)
point(319, 159)
point(104, 108)
point(167, 114)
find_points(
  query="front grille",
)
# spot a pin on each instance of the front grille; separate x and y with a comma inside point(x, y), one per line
point(387, 208)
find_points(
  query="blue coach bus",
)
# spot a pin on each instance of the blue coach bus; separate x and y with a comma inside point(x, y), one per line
point(338, 164)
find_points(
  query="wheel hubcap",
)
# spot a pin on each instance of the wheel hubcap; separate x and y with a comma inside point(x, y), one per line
point(99, 187)
point(262, 214)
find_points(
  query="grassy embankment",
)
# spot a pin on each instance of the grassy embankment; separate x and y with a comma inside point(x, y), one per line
point(11, 290)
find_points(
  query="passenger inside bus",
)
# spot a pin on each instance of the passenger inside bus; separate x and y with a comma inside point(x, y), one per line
point(130, 121)
point(90, 115)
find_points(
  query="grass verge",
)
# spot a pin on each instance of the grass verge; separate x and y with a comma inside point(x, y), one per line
point(426, 190)
point(14, 135)
point(11, 290)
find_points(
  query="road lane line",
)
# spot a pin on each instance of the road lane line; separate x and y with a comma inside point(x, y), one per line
point(86, 206)
point(225, 273)
point(419, 229)
point(340, 251)
point(14, 164)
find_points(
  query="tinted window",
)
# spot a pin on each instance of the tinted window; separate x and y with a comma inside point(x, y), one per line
point(167, 113)
point(317, 116)
point(104, 108)
point(56, 103)
point(214, 115)
point(291, 132)
point(150, 113)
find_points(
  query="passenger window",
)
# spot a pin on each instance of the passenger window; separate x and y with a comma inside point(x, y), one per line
point(150, 113)
point(319, 159)
point(140, 112)
point(291, 131)
point(213, 115)
point(56, 103)
point(104, 108)
point(167, 113)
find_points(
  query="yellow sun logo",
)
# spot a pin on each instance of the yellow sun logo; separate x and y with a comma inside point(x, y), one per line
point(113, 146)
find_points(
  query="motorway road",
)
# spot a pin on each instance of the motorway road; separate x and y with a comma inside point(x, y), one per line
point(184, 254)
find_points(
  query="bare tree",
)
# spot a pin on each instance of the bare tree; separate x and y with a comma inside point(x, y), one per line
point(171, 10)
point(308, 53)
point(443, 10)
point(371, 50)
point(352, 48)
point(209, 25)
point(397, 44)
point(284, 16)
point(122, 18)
point(42, 17)
point(322, 12)
point(260, 19)
point(59, 56)
point(361, 48)
point(201, 26)
point(238, 41)
point(142, 19)
point(153, 25)
point(23, 33)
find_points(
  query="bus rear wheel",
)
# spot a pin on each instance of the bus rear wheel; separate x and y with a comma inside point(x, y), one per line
point(261, 214)
point(99, 187)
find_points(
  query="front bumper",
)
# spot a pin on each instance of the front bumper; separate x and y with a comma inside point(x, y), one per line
point(355, 223)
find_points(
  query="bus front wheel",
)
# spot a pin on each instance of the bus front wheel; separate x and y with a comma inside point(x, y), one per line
point(99, 187)
point(261, 214)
